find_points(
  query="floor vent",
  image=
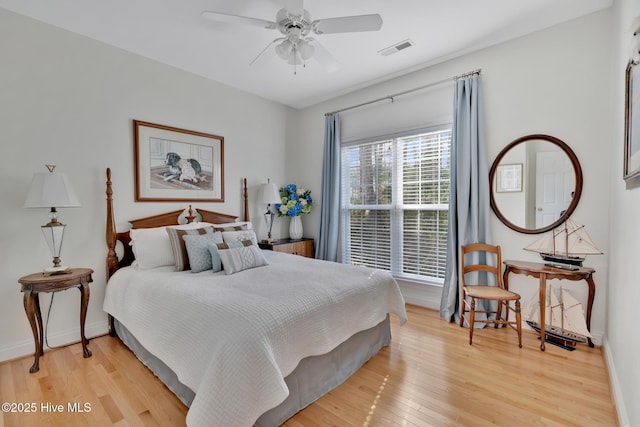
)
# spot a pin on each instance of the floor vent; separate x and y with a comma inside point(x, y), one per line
point(396, 47)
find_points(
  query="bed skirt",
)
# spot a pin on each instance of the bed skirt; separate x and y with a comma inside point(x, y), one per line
point(313, 377)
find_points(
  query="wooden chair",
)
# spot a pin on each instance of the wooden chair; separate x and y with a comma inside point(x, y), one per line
point(483, 291)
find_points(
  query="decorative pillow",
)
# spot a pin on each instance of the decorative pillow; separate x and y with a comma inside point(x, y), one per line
point(233, 226)
point(151, 246)
point(238, 236)
point(199, 256)
point(178, 246)
point(216, 263)
point(239, 259)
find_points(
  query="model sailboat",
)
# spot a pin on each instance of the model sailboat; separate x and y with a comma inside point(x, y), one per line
point(565, 246)
point(564, 319)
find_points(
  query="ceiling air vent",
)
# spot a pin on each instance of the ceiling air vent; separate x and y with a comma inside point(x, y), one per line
point(396, 47)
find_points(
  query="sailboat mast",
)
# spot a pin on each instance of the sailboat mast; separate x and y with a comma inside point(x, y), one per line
point(562, 308)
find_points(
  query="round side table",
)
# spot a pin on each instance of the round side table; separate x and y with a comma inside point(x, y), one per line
point(35, 283)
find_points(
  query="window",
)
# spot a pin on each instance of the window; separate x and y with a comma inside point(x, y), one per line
point(395, 201)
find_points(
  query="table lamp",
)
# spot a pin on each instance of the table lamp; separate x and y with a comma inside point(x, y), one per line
point(270, 196)
point(52, 190)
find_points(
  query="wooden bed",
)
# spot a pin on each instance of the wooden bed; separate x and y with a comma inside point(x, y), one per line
point(113, 237)
point(160, 220)
point(314, 375)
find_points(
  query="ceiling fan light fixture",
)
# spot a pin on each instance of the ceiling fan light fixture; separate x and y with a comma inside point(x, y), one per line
point(294, 22)
point(306, 49)
point(284, 49)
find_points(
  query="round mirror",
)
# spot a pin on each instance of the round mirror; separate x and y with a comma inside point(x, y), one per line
point(536, 182)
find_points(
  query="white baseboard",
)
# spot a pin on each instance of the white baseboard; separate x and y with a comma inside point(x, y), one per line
point(421, 294)
point(429, 296)
point(623, 418)
point(70, 336)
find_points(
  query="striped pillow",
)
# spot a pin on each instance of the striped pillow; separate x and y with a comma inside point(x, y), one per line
point(239, 259)
point(233, 226)
point(178, 246)
point(216, 263)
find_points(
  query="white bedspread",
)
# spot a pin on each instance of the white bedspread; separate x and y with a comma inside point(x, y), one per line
point(233, 339)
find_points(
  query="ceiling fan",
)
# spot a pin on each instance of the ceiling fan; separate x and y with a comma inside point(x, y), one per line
point(296, 26)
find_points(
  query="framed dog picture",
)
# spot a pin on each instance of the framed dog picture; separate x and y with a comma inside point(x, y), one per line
point(177, 164)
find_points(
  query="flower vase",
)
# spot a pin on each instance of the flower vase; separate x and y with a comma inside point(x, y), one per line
point(295, 228)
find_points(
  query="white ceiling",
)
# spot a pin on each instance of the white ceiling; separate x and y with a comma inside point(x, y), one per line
point(173, 32)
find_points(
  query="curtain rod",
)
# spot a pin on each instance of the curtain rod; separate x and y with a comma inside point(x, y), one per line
point(395, 95)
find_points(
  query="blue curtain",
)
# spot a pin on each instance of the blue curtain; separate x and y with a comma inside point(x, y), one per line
point(327, 245)
point(469, 198)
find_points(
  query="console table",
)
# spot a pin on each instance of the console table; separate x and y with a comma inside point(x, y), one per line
point(543, 272)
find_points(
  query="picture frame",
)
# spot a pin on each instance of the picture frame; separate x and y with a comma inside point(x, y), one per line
point(509, 178)
point(177, 165)
point(631, 171)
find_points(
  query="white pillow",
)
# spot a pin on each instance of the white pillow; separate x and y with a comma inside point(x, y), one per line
point(238, 236)
point(151, 246)
point(244, 258)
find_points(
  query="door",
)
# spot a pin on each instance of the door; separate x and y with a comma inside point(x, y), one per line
point(555, 183)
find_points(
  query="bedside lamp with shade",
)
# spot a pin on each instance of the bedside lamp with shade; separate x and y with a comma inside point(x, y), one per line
point(269, 195)
point(52, 190)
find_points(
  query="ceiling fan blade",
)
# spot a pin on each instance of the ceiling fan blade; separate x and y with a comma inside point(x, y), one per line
point(294, 7)
point(265, 49)
point(323, 56)
point(348, 24)
point(236, 19)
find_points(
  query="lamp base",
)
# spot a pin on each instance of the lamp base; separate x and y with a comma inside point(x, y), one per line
point(269, 240)
point(50, 271)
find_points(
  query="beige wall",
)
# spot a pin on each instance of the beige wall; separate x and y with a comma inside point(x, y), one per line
point(68, 100)
point(621, 343)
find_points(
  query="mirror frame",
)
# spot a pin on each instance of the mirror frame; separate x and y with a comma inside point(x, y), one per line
point(576, 196)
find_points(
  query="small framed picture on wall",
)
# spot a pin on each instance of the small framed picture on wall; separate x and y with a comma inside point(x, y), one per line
point(509, 178)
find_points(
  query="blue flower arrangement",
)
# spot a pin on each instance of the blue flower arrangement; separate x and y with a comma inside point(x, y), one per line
point(295, 201)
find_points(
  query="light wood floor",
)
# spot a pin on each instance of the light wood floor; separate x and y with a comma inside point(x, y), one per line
point(429, 376)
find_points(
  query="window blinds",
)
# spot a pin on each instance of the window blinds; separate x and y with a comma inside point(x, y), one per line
point(395, 199)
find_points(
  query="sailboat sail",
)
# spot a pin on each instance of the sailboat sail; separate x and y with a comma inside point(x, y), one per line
point(557, 315)
point(569, 240)
point(568, 243)
point(564, 317)
point(573, 315)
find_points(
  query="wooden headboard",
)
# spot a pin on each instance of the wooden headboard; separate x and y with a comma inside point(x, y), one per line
point(160, 220)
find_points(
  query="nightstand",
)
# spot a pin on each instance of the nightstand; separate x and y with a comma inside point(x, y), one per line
point(35, 283)
point(303, 247)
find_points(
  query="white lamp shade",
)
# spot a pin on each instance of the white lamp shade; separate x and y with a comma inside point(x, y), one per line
point(51, 190)
point(270, 194)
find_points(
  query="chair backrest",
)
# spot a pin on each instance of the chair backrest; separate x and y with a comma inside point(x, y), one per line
point(480, 253)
